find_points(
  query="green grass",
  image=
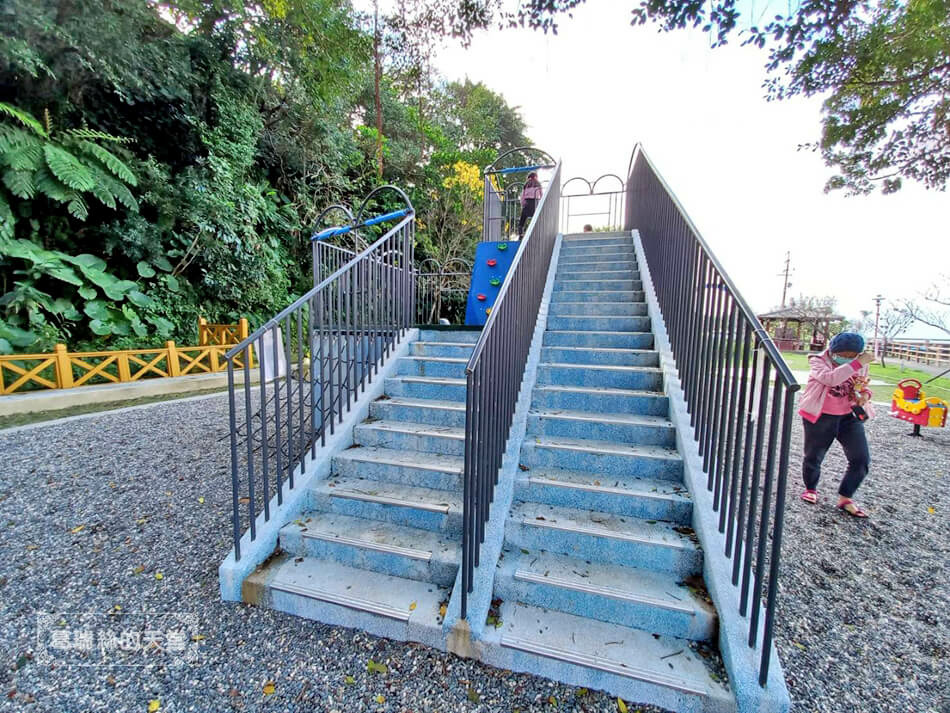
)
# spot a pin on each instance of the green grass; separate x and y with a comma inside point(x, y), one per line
point(23, 419)
point(890, 374)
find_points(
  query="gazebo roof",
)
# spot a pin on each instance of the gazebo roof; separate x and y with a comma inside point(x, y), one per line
point(801, 314)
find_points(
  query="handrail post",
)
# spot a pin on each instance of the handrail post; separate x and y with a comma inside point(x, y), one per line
point(125, 374)
point(64, 368)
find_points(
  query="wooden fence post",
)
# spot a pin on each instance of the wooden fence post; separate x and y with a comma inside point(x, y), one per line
point(125, 374)
point(64, 368)
point(174, 366)
point(213, 354)
point(202, 331)
point(244, 329)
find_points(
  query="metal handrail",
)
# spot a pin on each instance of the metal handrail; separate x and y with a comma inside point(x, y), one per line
point(494, 373)
point(314, 358)
point(725, 358)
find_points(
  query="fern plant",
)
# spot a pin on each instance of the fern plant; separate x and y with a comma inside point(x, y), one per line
point(66, 166)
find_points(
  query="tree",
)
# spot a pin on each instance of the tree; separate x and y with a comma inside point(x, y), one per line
point(934, 311)
point(893, 323)
point(883, 67)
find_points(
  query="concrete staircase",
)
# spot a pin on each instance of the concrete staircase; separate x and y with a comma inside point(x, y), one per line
point(379, 546)
point(600, 576)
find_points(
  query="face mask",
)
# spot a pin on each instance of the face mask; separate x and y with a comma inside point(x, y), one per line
point(841, 359)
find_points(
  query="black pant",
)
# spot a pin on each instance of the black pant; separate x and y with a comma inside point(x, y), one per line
point(526, 212)
point(819, 436)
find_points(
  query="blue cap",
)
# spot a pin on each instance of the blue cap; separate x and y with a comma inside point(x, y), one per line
point(846, 342)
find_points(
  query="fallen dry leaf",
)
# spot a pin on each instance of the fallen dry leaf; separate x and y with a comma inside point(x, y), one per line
point(412, 607)
point(621, 706)
point(153, 706)
point(269, 688)
point(76, 529)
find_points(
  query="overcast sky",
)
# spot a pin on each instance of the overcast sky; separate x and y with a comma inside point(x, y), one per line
point(590, 93)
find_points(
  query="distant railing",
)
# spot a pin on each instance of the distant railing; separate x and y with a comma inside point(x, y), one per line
point(494, 375)
point(442, 291)
point(314, 358)
point(63, 369)
point(933, 352)
point(597, 204)
point(221, 334)
point(726, 361)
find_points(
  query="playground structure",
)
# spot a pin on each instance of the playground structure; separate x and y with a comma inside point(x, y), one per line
point(387, 474)
point(909, 403)
point(600, 205)
point(504, 180)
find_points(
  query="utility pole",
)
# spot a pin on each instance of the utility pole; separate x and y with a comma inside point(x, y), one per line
point(877, 321)
point(785, 275)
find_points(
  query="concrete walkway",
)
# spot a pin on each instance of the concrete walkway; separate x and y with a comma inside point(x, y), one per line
point(57, 399)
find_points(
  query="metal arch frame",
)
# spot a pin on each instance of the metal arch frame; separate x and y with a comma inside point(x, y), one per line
point(491, 168)
point(498, 196)
point(614, 211)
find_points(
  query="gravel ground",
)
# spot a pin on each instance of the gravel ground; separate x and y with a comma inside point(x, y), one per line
point(98, 519)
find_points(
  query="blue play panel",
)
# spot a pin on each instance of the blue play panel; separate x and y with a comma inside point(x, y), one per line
point(492, 261)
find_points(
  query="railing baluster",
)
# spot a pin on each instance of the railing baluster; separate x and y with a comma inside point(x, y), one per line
point(714, 336)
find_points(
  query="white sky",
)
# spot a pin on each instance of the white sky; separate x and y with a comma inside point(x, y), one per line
point(600, 85)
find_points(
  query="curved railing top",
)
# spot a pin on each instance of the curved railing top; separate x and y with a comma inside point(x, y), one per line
point(275, 320)
point(535, 160)
point(356, 222)
point(592, 187)
point(771, 349)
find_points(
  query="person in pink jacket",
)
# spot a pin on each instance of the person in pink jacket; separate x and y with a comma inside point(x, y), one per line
point(530, 195)
point(833, 406)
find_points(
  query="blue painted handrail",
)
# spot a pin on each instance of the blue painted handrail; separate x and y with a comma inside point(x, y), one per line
point(342, 230)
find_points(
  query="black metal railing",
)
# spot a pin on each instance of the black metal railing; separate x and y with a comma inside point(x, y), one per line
point(726, 361)
point(599, 203)
point(494, 375)
point(313, 360)
point(442, 291)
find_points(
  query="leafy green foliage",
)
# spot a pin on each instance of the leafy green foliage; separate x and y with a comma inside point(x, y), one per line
point(881, 65)
point(163, 161)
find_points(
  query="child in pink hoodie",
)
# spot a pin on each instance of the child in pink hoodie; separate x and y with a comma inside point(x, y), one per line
point(837, 385)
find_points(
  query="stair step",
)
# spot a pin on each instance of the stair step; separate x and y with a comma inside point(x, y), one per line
point(427, 411)
point(586, 355)
point(453, 368)
point(662, 669)
point(623, 285)
point(639, 497)
point(598, 271)
point(600, 309)
point(620, 427)
point(588, 398)
point(605, 537)
point(337, 594)
point(452, 350)
point(569, 252)
point(402, 435)
point(370, 544)
point(450, 336)
point(609, 323)
point(604, 457)
point(657, 602)
point(424, 470)
point(641, 378)
point(596, 340)
point(426, 387)
point(425, 508)
point(585, 240)
point(597, 296)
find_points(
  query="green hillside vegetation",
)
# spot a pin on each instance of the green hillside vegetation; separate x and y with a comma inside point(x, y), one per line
point(161, 161)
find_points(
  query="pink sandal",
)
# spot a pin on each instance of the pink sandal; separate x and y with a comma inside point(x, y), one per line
point(810, 496)
point(851, 507)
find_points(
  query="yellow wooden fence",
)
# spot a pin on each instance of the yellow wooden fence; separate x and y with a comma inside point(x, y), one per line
point(64, 369)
